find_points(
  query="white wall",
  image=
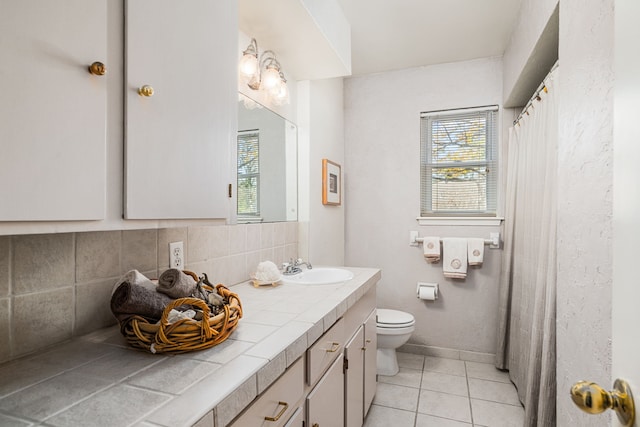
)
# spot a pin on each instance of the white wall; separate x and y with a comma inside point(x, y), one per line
point(524, 65)
point(382, 150)
point(585, 180)
point(320, 131)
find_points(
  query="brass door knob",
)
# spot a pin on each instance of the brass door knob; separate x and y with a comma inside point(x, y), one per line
point(145, 90)
point(98, 69)
point(593, 399)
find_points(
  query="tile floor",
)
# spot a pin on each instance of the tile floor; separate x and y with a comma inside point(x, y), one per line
point(439, 392)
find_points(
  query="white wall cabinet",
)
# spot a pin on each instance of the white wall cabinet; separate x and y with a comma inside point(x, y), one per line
point(178, 139)
point(52, 110)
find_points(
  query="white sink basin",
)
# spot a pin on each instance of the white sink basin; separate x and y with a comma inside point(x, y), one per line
point(319, 276)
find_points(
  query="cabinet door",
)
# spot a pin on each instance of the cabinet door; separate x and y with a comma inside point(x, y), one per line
point(354, 380)
point(370, 368)
point(177, 141)
point(325, 403)
point(297, 419)
point(52, 110)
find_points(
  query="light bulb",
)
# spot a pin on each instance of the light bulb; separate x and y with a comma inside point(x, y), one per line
point(270, 78)
point(283, 93)
point(279, 94)
point(248, 65)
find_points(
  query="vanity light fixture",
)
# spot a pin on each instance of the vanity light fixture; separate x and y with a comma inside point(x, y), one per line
point(264, 74)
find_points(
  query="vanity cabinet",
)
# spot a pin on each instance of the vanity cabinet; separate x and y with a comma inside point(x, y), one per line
point(360, 359)
point(52, 110)
point(180, 108)
point(333, 384)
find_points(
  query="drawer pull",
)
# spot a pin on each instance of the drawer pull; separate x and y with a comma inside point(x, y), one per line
point(316, 425)
point(334, 347)
point(365, 345)
point(285, 406)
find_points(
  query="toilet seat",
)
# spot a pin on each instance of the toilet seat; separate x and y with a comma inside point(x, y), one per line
point(393, 319)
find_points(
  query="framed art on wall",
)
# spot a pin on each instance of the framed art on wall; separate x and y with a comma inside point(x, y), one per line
point(331, 183)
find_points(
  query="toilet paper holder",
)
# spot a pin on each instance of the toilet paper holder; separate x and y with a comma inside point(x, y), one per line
point(429, 291)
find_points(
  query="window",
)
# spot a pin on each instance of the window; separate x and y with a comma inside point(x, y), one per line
point(248, 173)
point(458, 162)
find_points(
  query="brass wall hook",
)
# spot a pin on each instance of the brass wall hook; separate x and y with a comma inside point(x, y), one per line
point(593, 399)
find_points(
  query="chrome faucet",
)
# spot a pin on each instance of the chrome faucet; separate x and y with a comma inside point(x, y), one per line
point(299, 261)
point(293, 266)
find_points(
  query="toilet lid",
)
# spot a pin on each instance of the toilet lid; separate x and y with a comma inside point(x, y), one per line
point(393, 318)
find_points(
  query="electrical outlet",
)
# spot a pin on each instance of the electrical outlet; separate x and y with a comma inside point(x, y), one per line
point(176, 255)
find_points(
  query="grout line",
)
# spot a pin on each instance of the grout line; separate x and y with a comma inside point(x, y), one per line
point(466, 375)
point(10, 298)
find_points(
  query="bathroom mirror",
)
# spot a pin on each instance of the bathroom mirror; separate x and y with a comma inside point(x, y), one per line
point(267, 147)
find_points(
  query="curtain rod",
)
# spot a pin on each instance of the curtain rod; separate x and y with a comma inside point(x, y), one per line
point(536, 95)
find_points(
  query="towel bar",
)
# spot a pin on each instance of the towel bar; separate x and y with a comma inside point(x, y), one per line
point(493, 241)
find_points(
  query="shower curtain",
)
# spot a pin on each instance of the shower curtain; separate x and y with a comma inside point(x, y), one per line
point(527, 310)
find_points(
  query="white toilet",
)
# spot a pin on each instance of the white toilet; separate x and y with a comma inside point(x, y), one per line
point(393, 329)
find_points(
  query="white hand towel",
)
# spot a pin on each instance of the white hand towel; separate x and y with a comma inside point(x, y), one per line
point(431, 246)
point(475, 249)
point(454, 258)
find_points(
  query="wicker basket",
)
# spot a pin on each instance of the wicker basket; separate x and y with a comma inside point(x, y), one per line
point(185, 334)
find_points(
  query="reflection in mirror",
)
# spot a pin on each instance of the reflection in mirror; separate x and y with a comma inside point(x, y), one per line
point(267, 165)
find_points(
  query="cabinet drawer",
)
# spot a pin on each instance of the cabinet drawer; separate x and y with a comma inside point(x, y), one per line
point(276, 405)
point(324, 351)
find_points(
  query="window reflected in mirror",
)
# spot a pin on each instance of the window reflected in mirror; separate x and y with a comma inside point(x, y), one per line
point(266, 165)
point(248, 173)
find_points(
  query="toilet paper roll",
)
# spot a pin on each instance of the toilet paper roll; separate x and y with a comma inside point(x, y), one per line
point(428, 293)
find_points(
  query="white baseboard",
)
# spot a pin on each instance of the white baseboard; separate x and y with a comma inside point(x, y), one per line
point(449, 353)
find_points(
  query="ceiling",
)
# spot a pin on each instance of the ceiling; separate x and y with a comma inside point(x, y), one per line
point(396, 34)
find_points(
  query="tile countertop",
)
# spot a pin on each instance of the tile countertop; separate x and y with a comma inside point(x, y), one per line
point(99, 380)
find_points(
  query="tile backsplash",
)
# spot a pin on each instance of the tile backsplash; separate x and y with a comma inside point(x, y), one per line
point(56, 286)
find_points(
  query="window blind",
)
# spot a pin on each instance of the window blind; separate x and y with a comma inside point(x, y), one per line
point(459, 164)
point(248, 173)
